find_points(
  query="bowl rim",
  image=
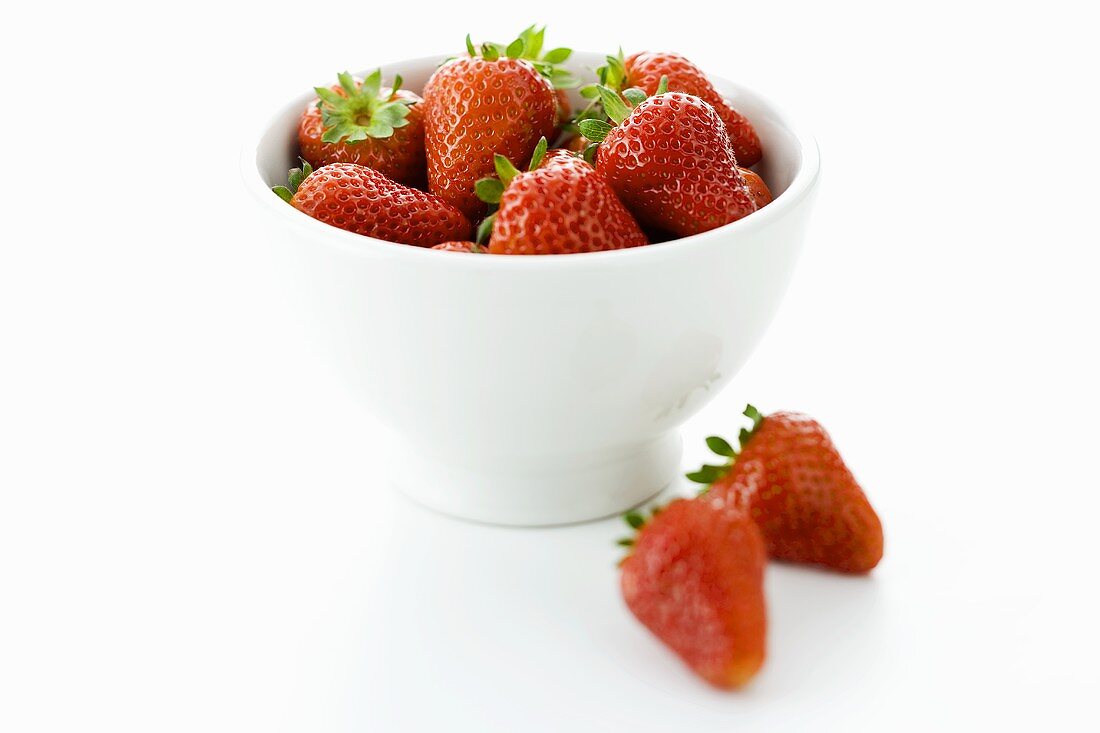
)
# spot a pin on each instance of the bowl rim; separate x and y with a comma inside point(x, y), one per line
point(801, 186)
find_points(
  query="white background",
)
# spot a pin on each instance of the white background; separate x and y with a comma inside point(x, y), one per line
point(193, 532)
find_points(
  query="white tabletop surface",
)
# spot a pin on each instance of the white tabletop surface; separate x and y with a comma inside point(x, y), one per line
point(195, 534)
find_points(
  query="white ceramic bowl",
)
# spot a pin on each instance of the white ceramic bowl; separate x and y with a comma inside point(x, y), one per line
point(538, 390)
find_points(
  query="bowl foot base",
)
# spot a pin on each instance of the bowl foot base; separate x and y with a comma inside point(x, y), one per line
point(562, 489)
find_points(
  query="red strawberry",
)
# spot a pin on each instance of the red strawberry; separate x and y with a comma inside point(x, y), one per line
point(695, 578)
point(561, 205)
point(792, 482)
point(644, 70)
point(478, 106)
point(671, 163)
point(472, 247)
point(366, 123)
point(362, 200)
point(759, 190)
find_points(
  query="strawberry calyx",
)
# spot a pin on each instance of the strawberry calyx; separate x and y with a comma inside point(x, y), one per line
point(612, 76)
point(491, 188)
point(549, 64)
point(613, 106)
point(613, 73)
point(294, 180)
point(528, 46)
point(708, 474)
point(362, 110)
point(636, 519)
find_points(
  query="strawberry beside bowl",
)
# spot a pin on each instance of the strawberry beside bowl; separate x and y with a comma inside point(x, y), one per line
point(541, 389)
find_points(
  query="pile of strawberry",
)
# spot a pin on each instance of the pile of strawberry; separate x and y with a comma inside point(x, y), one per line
point(656, 154)
point(695, 572)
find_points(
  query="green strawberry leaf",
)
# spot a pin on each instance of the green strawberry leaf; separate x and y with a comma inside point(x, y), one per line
point(371, 86)
point(634, 96)
point(613, 105)
point(721, 446)
point(557, 55)
point(595, 130)
point(613, 73)
point(327, 96)
point(707, 474)
point(532, 40)
point(294, 180)
point(528, 46)
point(743, 436)
point(539, 154)
point(662, 85)
point(515, 49)
point(485, 229)
point(563, 78)
point(489, 190)
point(616, 68)
point(504, 168)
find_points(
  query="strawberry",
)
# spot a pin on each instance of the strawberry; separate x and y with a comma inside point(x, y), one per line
point(472, 247)
point(759, 190)
point(362, 200)
point(560, 205)
point(366, 123)
point(645, 70)
point(789, 478)
point(670, 161)
point(478, 106)
point(695, 578)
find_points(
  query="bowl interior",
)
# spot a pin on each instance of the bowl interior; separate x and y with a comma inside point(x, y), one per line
point(784, 149)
